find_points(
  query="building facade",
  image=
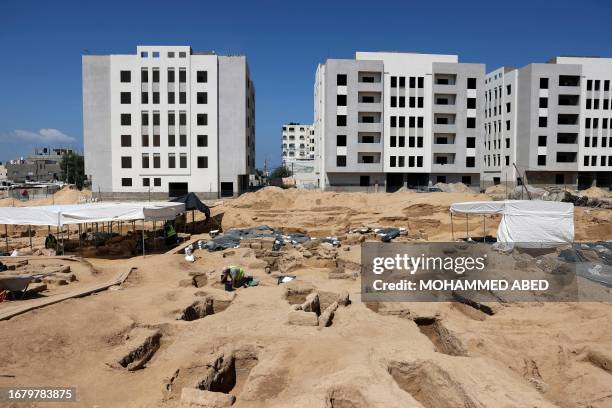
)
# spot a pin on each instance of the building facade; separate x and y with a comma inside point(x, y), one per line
point(297, 142)
point(42, 166)
point(166, 121)
point(388, 120)
point(550, 123)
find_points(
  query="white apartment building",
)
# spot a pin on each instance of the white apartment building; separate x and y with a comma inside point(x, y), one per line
point(391, 119)
point(297, 142)
point(551, 121)
point(168, 120)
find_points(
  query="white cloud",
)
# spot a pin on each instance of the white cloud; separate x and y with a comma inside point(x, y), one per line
point(42, 136)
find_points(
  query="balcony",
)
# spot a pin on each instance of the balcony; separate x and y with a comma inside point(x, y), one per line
point(445, 79)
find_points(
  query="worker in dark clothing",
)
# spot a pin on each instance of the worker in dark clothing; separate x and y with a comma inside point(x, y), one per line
point(51, 242)
point(171, 237)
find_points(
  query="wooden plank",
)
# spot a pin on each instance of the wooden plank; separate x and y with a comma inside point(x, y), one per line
point(38, 303)
point(182, 246)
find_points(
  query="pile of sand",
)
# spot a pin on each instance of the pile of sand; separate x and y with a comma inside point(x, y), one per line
point(596, 192)
point(67, 195)
point(454, 188)
point(496, 190)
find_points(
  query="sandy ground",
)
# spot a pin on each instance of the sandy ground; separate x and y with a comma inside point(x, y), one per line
point(374, 355)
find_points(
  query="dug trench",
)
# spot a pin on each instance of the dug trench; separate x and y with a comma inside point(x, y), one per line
point(209, 305)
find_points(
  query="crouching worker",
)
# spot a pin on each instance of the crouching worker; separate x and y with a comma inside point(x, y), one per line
point(51, 242)
point(235, 277)
point(171, 237)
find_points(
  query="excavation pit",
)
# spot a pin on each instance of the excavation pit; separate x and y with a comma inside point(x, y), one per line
point(228, 372)
point(204, 307)
point(443, 339)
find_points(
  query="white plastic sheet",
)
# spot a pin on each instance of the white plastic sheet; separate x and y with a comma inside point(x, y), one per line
point(526, 221)
point(59, 215)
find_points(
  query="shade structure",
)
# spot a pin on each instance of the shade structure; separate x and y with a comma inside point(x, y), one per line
point(526, 221)
point(192, 202)
point(60, 215)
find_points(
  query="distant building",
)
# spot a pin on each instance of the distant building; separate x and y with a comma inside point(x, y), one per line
point(297, 142)
point(393, 119)
point(42, 166)
point(552, 120)
point(168, 120)
point(3, 176)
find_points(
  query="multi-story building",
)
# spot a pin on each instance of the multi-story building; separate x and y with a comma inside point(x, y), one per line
point(3, 173)
point(398, 119)
point(297, 142)
point(42, 166)
point(168, 120)
point(549, 122)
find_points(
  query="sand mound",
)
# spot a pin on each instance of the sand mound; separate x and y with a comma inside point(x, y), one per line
point(496, 190)
point(67, 195)
point(596, 192)
point(266, 198)
point(454, 188)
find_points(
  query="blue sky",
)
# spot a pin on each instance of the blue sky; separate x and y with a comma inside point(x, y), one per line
point(41, 44)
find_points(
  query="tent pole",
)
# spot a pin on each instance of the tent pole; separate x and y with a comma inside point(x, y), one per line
point(30, 235)
point(467, 225)
point(192, 221)
point(484, 228)
point(452, 228)
point(154, 231)
point(6, 237)
point(143, 238)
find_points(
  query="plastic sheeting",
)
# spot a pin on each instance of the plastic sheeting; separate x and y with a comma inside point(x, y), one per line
point(526, 221)
point(59, 215)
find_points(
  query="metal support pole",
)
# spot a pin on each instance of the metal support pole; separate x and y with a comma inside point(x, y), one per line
point(452, 228)
point(6, 237)
point(154, 233)
point(143, 239)
point(467, 225)
point(192, 221)
point(484, 228)
point(30, 235)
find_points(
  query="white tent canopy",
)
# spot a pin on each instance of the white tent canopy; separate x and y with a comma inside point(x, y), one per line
point(59, 215)
point(525, 221)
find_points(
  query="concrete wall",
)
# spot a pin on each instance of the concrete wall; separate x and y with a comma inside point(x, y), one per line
point(97, 121)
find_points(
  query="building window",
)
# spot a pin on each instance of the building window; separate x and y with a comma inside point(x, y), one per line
point(542, 121)
point(126, 162)
point(340, 140)
point(541, 160)
point(341, 79)
point(542, 141)
point(156, 140)
point(183, 140)
point(341, 100)
point(126, 140)
point(402, 101)
point(202, 77)
point(145, 161)
point(183, 161)
point(182, 98)
point(467, 180)
point(394, 101)
point(171, 140)
point(145, 140)
point(410, 161)
point(202, 140)
point(471, 103)
point(393, 82)
point(202, 119)
point(155, 75)
point(470, 161)
point(543, 102)
point(419, 161)
point(471, 123)
point(401, 161)
point(144, 98)
point(508, 90)
point(341, 120)
point(507, 125)
point(411, 82)
point(171, 99)
point(156, 98)
point(146, 182)
point(126, 119)
point(508, 107)
point(392, 161)
point(470, 142)
point(171, 161)
point(202, 98)
point(144, 75)
point(543, 83)
point(471, 83)
point(170, 75)
point(340, 161)
point(202, 162)
point(156, 161)
point(182, 75)
point(420, 82)
point(126, 182)
point(157, 181)
point(126, 76)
